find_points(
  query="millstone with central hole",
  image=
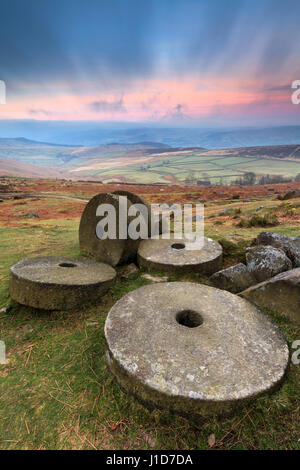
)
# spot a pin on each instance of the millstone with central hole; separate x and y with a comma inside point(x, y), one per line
point(193, 349)
point(173, 255)
point(54, 283)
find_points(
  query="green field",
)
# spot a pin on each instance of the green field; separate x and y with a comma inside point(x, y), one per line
point(197, 166)
point(149, 164)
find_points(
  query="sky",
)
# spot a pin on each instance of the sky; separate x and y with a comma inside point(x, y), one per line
point(175, 62)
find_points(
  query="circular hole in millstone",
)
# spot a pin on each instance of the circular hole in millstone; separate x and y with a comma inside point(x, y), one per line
point(189, 318)
point(67, 265)
point(178, 246)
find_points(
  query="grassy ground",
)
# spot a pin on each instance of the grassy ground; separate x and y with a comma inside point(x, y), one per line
point(56, 391)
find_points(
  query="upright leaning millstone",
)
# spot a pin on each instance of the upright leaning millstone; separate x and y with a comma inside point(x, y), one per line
point(173, 255)
point(111, 251)
point(55, 283)
point(193, 349)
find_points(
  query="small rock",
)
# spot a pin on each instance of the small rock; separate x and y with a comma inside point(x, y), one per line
point(234, 279)
point(266, 261)
point(280, 294)
point(24, 329)
point(155, 278)
point(4, 310)
point(289, 195)
point(287, 244)
point(150, 441)
point(211, 440)
point(128, 270)
point(296, 241)
point(32, 214)
point(225, 211)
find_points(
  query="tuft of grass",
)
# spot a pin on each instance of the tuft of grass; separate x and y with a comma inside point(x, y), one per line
point(266, 220)
point(234, 251)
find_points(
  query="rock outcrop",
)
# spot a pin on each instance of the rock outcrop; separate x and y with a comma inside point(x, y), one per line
point(264, 262)
point(234, 279)
point(289, 245)
point(280, 294)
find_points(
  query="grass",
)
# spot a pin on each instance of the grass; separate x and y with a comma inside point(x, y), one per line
point(256, 220)
point(56, 391)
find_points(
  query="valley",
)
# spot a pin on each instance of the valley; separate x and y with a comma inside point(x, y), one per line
point(145, 162)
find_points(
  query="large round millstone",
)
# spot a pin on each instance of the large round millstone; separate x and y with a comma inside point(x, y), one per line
point(173, 255)
point(56, 283)
point(111, 251)
point(193, 349)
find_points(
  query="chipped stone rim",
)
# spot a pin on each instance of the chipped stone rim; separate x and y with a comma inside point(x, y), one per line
point(160, 254)
point(42, 284)
point(60, 260)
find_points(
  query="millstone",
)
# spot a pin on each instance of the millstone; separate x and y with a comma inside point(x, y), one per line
point(111, 251)
point(55, 283)
point(193, 349)
point(172, 255)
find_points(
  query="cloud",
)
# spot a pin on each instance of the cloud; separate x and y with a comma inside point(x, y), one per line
point(37, 112)
point(73, 60)
point(176, 114)
point(103, 106)
point(280, 88)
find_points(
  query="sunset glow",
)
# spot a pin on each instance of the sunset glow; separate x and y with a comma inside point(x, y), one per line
point(156, 61)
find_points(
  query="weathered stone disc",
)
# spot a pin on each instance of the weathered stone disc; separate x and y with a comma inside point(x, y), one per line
point(108, 251)
point(172, 255)
point(55, 283)
point(193, 349)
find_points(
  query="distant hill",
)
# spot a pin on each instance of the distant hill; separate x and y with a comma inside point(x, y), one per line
point(288, 152)
point(145, 162)
point(23, 142)
point(13, 168)
point(58, 156)
point(84, 133)
point(176, 165)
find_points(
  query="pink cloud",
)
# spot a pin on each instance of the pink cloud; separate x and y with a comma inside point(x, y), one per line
point(154, 99)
